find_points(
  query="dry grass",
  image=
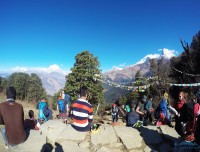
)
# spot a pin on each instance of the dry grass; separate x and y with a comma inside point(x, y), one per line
point(31, 106)
point(26, 106)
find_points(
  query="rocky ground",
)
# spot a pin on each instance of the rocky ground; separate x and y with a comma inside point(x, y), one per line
point(58, 137)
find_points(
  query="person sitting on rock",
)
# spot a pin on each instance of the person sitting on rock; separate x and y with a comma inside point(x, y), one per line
point(140, 108)
point(12, 117)
point(31, 123)
point(44, 113)
point(82, 111)
point(133, 116)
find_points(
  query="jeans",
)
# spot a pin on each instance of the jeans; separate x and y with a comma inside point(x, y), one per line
point(3, 132)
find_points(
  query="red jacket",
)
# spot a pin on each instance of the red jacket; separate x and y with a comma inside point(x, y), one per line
point(180, 104)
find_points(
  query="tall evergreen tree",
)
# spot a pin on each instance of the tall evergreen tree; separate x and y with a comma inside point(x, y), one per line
point(21, 83)
point(85, 73)
point(35, 90)
point(27, 87)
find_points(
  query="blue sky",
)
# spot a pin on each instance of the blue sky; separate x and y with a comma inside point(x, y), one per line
point(41, 33)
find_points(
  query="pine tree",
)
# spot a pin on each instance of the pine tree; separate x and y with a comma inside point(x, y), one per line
point(35, 90)
point(85, 73)
point(21, 82)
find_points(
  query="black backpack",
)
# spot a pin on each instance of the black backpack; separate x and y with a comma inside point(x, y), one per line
point(186, 115)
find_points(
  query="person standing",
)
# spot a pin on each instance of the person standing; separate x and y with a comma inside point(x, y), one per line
point(181, 101)
point(114, 113)
point(12, 116)
point(82, 111)
point(149, 109)
point(63, 108)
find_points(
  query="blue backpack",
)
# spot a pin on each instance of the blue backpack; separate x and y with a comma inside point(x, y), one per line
point(67, 98)
point(163, 105)
point(41, 108)
point(61, 105)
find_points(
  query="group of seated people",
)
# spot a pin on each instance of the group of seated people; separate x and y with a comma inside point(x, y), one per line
point(185, 112)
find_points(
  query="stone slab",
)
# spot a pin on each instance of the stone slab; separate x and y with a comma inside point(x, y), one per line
point(106, 135)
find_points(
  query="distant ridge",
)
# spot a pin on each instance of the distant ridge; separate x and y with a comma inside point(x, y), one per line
point(127, 73)
point(52, 82)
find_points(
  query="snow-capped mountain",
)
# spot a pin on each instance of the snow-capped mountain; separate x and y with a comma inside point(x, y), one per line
point(166, 54)
point(128, 73)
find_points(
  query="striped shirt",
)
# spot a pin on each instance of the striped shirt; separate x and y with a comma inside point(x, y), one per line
point(82, 115)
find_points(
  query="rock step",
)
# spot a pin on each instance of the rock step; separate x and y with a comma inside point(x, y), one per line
point(56, 136)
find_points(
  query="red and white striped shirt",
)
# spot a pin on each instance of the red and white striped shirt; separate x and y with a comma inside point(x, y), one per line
point(82, 115)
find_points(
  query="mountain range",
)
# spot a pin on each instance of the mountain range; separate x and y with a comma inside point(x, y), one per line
point(127, 74)
point(53, 78)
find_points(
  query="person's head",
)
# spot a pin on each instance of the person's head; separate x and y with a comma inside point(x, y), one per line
point(31, 114)
point(193, 98)
point(144, 98)
point(11, 93)
point(59, 97)
point(133, 105)
point(43, 99)
point(166, 95)
point(150, 97)
point(84, 91)
point(181, 96)
point(113, 105)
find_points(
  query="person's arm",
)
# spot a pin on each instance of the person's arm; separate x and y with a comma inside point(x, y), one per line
point(173, 110)
point(138, 109)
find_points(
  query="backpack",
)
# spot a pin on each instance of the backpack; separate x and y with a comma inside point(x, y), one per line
point(41, 107)
point(162, 110)
point(128, 108)
point(61, 105)
point(163, 105)
point(67, 98)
